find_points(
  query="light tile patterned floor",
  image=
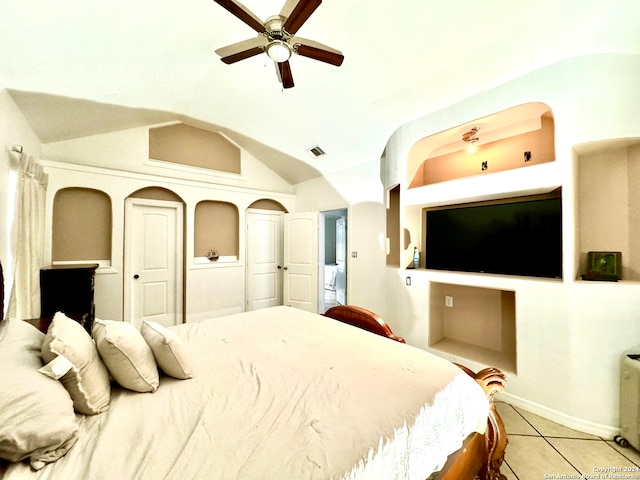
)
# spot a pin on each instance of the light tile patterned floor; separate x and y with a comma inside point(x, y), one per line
point(541, 449)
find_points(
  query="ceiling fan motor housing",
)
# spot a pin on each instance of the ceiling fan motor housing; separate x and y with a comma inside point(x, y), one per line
point(273, 25)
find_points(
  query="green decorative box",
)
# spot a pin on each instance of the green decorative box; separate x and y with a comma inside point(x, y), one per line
point(606, 266)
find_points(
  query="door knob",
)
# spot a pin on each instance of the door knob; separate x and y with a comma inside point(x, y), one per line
point(279, 267)
point(136, 276)
point(286, 268)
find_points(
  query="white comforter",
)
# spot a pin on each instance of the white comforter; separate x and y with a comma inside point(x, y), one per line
point(281, 394)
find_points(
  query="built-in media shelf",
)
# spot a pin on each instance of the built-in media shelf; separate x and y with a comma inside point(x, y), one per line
point(518, 137)
point(475, 323)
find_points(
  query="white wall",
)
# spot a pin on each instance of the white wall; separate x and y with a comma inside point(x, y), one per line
point(118, 164)
point(570, 334)
point(128, 151)
point(360, 190)
point(211, 289)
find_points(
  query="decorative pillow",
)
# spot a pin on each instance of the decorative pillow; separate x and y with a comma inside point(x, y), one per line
point(88, 380)
point(36, 412)
point(126, 355)
point(168, 350)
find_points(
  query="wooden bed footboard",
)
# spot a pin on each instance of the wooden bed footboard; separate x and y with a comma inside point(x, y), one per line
point(481, 455)
point(362, 318)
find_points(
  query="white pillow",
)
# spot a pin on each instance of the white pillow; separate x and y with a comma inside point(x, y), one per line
point(88, 380)
point(168, 350)
point(126, 355)
point(37, 420)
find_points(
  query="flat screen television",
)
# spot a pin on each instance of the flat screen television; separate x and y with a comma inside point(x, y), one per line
point(518, 236)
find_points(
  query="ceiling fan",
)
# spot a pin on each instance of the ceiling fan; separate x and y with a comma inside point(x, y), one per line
point(276, 38)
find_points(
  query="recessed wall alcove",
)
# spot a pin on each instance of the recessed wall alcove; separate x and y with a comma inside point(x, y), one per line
point(475, 323)
point(194, 147)
point(609, 202)
point(81, 226)
point(217, 227)
point(393, 227)
point(268, 204)
point(514, 138)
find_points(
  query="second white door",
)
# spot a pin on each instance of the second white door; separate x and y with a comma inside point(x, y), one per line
point(301, 260)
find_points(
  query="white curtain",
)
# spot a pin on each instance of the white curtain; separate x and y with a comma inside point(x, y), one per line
point(27, 239)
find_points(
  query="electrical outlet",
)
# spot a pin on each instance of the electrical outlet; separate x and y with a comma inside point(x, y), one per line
point(448, 301)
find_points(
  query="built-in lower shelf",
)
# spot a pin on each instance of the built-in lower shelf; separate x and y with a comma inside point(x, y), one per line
point(475, 323)
point(476, 353)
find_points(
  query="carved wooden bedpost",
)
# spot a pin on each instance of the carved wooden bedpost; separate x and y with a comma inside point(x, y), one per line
point(492, 381)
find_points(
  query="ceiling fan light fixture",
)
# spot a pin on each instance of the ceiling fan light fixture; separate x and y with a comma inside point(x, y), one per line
point(278, 51)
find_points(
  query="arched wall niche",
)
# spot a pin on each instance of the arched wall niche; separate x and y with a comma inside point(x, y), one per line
point(157, 193)
point(216, 227)
point(81, 226)
point(517, 137)
point(268, 204)
point(196, 147)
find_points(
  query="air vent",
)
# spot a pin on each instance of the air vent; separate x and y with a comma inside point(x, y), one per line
point(316, 151)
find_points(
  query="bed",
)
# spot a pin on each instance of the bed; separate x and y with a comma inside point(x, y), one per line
point(277, 393)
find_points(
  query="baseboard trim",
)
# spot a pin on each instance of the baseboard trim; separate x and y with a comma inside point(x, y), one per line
point(605, 431)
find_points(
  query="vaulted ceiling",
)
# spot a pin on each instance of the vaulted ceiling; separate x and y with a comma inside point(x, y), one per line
point(81, 68)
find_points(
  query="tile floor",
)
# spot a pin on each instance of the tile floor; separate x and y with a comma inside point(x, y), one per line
point(541, 449)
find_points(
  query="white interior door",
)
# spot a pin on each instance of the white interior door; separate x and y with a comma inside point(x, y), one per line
point(153, 261)
point(264, 259)
point(301, 261)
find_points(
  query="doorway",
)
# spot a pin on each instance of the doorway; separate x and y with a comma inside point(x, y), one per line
point(153, 274)
point(264, 258)
point(333, 259)
point(297, 259)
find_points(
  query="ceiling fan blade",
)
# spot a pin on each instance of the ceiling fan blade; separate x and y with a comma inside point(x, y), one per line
point(236, 57)
point(243, 13)
point(300, 13)
point(288, 8)
point(294, 41)
point(245, 45)
point(284, 74)
point(317, 51)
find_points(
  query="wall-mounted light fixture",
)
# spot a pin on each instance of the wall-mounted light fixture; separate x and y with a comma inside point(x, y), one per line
point(471, 138)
